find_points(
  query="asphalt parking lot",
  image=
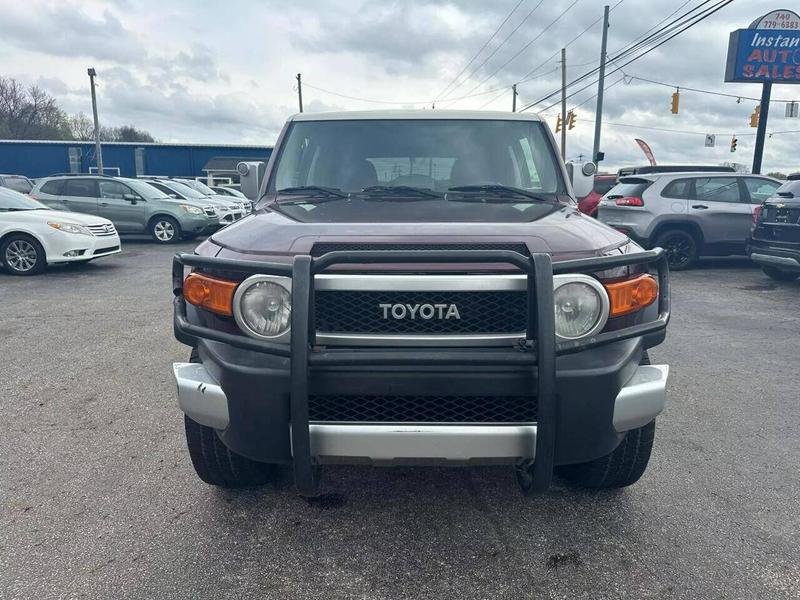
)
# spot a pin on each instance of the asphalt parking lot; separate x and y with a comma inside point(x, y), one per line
point(99, 498)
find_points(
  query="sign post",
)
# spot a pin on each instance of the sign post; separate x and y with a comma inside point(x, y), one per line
point(767, 52)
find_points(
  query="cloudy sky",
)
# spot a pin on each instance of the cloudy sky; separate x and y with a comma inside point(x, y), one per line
point(224, 72)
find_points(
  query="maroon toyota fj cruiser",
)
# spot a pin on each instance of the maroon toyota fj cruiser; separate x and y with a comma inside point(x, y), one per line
point(418, 287)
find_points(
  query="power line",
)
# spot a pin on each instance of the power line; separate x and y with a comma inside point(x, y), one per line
point(664, 35)
point(481, 49)
point(635, 46)
point(526, 46)
point(493, 52)
point(683, 88)
point(527, 77)
point(393, 102)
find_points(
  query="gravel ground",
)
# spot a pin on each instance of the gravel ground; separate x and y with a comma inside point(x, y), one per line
point(99, 499)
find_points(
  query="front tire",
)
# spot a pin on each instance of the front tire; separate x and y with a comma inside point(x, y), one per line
point(622, 467)
point(215, 463)
point(680, 246)
point(779, 275)
point(23, 255)
point(165, 230)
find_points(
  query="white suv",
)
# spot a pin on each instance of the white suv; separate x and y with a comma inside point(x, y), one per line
point(689, 214)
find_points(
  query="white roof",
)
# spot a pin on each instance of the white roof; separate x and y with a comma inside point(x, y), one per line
point(358, 115)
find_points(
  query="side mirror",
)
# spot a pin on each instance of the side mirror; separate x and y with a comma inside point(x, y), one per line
point(581, 175)
point(132, 198)
point(250, 176)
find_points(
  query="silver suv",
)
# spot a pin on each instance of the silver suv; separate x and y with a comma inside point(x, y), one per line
point(132, 205)
point(688, 214)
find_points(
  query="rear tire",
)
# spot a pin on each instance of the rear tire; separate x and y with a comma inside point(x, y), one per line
point(622, 467)
point(680, 246)
point(22, 255)
point(215, 463)
point(779, 275)
point(165, 230)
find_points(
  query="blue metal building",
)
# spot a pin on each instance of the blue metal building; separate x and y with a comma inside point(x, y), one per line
point(35, 158)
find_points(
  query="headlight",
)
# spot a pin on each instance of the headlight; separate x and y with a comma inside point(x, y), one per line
point(70, 228)
point(262, 306)
point(581, 306)
point(192, 210)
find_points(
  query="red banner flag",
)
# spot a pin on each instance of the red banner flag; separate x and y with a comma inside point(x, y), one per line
point(647, 151)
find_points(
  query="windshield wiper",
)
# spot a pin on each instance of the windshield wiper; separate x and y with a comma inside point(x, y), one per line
point(318, 192)
point(404, 192)
point(494, 192)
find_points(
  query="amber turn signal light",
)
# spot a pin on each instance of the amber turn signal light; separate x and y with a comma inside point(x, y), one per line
point(631, 295)
point(211, 293)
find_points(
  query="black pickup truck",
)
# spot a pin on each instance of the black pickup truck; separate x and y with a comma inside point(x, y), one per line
point(418, 287)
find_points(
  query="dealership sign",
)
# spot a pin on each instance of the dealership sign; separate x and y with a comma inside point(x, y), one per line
point(767, 52)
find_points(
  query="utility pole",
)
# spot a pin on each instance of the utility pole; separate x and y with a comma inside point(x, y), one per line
point(766, 92)
point(299, 92)
point(98, 151)
point(599, 109)
point(564, 104)
point(514, 98)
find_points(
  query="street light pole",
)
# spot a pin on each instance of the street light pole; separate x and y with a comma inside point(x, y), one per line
point(98, 151)
point(600, 83)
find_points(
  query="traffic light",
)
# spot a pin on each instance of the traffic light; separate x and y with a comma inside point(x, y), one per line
point(734, 141)
point(570, 120)
point(676, 98)
point(558, 123)
point(755, 116)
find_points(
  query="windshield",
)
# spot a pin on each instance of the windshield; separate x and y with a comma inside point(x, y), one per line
point(145, 189)
point(426, 153)
point(18, 184)
point(11, 200)
point(379, 163)
point(199, 186)
point(183, 189)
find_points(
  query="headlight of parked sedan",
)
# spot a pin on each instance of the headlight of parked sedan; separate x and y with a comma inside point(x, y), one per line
point(262, 306)
point(69, 228)
point(581, 306)
point(192, 210)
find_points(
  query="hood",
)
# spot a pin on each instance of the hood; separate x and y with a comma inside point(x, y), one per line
point(62, 215)
point(565, 233)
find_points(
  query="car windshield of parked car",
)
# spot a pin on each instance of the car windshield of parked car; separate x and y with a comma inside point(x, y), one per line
point(146, 190)
point(18, 184)
point(184, 190)
point(377, 166)
point(13, 201)
point(200, 187)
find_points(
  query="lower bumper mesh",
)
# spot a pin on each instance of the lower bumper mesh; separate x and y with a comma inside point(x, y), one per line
point(422, 409)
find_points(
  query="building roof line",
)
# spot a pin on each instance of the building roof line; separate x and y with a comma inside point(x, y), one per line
point(171, 144)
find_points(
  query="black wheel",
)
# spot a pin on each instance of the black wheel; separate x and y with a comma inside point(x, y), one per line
point(217, 465)
point(779, 275)
point(22, 255)
point(165, 230)
point(680, 246)
point(622, 467)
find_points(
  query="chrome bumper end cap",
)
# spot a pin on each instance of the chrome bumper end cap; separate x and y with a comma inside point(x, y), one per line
point(200, 396)
point(641, 399)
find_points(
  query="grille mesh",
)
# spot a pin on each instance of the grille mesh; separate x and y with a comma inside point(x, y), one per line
point(339, 311)
point(321, 248)
point(423, 409)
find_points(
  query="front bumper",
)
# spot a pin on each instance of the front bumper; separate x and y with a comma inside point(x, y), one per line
point(256, 393)
point(640, 400)
point(69, 247)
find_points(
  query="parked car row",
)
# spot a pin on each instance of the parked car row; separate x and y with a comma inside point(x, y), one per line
point(63, 217)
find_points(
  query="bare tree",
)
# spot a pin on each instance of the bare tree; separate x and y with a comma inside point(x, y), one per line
point(82, 127)
point(30, 113)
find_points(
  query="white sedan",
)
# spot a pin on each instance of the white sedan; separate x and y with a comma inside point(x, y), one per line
point(33, 236)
